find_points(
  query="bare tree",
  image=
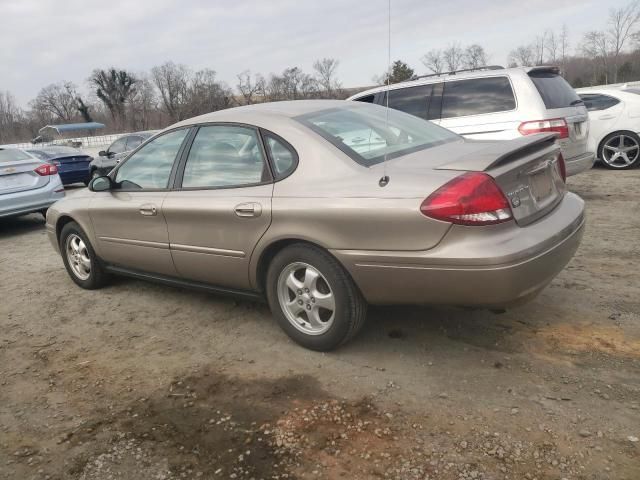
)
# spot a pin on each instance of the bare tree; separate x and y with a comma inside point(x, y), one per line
point(250, 87)
point(621, 23)
point(325, 75)
point(475, 56)
point(564, 47)
point(595, 45)
point(553, 46)
point(173, 84)
point(10, 117)
point(433, 60)
point(538, 48)
point(453, 56)
point(115, 88)
point(522, 56)
point(206, 94)
point(144, 104)
point(57, 99)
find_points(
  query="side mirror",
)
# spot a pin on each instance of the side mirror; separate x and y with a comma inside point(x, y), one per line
point(101, 184)
point(102, 153)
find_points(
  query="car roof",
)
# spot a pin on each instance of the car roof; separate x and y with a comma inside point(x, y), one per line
point(273, 110)
point(452, 76)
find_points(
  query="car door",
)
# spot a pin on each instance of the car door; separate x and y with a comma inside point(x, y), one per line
point(480, 108)
point(128, 220)
point(221, 205)
point(605, 112)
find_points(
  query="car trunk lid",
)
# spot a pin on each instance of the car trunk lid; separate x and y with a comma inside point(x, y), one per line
point(526, 169)
point(19, 176)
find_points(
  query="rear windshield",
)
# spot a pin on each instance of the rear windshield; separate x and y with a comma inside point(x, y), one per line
point(369, 137)
point(41, 155)
point(13, 155)
point(554, 90)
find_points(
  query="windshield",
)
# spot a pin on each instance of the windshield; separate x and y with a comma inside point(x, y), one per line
point(554, 90)
point(364, 133)
point(11, 155)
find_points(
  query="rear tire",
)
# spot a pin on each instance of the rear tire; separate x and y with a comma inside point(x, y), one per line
point(313, 298)
point(80, 259)
point(620, 151)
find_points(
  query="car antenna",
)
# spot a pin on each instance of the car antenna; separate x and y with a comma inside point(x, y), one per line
point(384, 181)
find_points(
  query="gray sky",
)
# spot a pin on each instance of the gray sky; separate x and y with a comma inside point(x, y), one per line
point(47, 41)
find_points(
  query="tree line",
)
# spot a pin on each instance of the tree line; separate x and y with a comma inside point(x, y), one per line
point(129, 101)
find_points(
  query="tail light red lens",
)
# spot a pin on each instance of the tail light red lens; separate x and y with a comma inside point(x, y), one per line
point(554, 125)
point(46, 169)
point(562, 167)
point(473, 198)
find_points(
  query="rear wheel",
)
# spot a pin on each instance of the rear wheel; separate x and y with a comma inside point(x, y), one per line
point(80, 259)
point(313, 298)
point(620, 150)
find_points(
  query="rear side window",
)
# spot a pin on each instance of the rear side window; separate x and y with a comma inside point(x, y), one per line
point(554, 90)
point(413, 100)
point(365, 99)
point(283, 157)
point(595, 102)
point(477, 96)
point(225, 156)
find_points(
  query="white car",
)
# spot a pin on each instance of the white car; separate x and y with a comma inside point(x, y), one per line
point(615, 125)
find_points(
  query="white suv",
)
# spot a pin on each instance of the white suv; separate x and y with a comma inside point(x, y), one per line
point(495, 103)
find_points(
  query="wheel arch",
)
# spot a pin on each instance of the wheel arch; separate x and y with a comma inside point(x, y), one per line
point(271, 250)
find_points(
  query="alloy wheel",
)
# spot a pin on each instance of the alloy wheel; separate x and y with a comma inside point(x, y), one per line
point(78, 256)
point(620, 151)
point(306, 298)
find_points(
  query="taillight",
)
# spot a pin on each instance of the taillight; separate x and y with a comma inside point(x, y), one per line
point(470, 199)
point(562, 167)
point(46, 169)
point(555, 125)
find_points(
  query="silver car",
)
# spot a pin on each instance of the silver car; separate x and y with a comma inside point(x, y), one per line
point(27, 184)
point(495, 103)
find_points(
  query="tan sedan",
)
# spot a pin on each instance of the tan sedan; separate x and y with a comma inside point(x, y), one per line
point(323, 207)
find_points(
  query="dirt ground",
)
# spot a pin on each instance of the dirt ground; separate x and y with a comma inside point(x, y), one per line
point(139, 381)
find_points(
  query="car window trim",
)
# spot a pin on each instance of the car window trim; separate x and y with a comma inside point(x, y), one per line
point(112, 174)
point(444, 89)
point(296, 159)
point(179, 174)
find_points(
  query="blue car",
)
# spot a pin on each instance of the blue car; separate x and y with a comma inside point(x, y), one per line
point(73, 165)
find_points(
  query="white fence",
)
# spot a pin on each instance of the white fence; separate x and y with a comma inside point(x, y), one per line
point(91, 143)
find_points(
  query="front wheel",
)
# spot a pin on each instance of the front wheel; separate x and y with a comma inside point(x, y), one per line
point(313, 298)
point(79, 258)
point(620, 150)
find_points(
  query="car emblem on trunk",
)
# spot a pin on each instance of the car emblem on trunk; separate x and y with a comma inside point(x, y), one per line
point(515, 200)
point(514, 197)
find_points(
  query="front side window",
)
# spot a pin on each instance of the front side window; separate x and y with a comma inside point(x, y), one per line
point(225, 156)
point(118, 146)
point(133, 142)
point(283, 157)
point(369, 134)
point(596, 102)
point(477, 96)
point(150, 167)
point(412, 100)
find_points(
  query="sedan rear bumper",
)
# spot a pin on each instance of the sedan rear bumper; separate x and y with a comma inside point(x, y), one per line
point(579, 163)
point(494, 266)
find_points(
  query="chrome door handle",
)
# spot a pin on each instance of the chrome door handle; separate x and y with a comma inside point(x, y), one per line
point(248, 210)
point(148, 210)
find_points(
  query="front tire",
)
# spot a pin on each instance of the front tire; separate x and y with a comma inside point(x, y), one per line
point(80, 259)
point(313, 298)
point(620, 151)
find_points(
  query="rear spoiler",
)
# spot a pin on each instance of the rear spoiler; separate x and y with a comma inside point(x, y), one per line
point(501, 152)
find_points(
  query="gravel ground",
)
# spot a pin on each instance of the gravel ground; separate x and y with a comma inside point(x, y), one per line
point(140, 381)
